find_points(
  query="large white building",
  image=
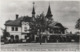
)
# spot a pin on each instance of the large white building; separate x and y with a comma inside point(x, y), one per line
point(19, 26)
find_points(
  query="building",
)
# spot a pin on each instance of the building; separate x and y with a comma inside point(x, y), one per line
point(55, 27)
point(19, 28)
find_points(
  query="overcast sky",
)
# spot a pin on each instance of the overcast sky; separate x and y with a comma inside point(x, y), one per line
point(65, 12)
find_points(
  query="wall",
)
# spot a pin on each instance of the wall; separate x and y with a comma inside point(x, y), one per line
point(20, 30)
point(14, 33)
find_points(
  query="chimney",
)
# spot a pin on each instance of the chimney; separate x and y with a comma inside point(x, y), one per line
point(17, 16)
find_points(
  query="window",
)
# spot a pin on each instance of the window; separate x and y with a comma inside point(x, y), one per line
point(25, 29)
point(16, 29)
point(12, 28)
point(12, 37)
point(16, 37)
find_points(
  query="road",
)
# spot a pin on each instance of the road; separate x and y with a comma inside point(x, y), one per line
point(38, 47)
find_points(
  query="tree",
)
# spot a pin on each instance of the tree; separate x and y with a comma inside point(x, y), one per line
point(5, 35)
point(77, 26)
point(39, 25)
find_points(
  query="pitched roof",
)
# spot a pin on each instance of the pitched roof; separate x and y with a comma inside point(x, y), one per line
point(56, 25)
point(17, 22)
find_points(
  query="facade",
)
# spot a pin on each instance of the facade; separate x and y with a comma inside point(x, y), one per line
point(19, 28)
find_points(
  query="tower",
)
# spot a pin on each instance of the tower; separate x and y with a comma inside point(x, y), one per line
point(33, 11)
point(49, 14)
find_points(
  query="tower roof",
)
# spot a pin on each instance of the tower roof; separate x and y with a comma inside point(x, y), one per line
point(33, 10)
point(49, 14)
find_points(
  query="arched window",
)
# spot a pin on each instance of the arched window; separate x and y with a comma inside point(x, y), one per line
point(16, 37)
point(12, 37)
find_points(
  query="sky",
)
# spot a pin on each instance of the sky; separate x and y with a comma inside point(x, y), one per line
point(65, 12)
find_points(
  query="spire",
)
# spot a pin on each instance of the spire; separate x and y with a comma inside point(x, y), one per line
point(49, 14)
point(33, 11)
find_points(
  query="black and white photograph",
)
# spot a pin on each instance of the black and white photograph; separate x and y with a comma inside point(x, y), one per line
point(39, 25)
